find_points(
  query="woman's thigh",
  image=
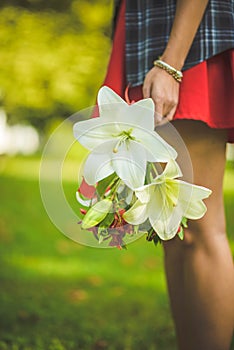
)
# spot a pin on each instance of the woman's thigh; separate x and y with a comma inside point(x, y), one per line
point(207, 150)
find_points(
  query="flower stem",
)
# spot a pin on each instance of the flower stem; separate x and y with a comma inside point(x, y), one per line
point(151, 172)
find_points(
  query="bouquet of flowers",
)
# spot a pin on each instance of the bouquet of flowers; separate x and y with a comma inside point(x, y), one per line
point(131, 179)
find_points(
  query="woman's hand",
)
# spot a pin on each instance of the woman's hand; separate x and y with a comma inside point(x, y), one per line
point(164, 90)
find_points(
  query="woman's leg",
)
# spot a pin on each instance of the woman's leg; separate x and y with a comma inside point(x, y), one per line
point(199, 270)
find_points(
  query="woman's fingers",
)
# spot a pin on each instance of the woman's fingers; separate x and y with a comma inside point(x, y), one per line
point(146, 90)
point(170, 115)
point(164, 91)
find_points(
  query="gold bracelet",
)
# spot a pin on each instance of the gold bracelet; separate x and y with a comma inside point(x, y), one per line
point(176, 74)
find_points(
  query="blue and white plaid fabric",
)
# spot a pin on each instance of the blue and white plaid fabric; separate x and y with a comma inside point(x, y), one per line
point(148, 25)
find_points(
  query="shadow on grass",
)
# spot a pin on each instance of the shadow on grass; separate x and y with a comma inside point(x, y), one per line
point(83, 313)
point(58, 295)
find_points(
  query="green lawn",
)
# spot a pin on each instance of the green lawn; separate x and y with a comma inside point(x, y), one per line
point(56, 294)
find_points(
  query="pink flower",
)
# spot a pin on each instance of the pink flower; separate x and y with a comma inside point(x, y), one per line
point(86, 190)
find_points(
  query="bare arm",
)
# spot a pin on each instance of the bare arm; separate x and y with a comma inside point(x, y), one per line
point(159, 84)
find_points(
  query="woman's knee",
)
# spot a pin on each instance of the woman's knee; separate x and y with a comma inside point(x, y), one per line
point(203, 233)
point(198, 236)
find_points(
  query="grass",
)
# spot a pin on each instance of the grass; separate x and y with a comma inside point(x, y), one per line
point(58, 295)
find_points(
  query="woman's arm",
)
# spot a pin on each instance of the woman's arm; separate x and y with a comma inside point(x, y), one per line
point(158, 84)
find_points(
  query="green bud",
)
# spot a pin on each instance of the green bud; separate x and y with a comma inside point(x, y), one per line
point(96, 213)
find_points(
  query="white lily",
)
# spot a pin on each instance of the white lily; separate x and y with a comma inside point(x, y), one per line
point(121, 140)
point(166, 201)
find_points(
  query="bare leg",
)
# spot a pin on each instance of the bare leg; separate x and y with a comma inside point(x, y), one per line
point(199, 270)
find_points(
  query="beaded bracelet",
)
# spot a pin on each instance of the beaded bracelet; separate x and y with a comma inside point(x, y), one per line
point(177, 75)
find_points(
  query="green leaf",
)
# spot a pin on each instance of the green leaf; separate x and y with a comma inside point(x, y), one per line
point(184, 222)
point(156, 240)
point(102, 234)
point(181, 233)
point(100, 239)
point(97, 213)
point(105, 183)
point(135, 229)
point(107, 220)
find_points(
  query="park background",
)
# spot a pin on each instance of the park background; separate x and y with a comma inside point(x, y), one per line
point(56, 294)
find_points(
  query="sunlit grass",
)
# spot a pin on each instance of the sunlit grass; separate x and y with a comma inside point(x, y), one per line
point(28, 167)
point(59, 295)
point(56, 294)
point(229, 177)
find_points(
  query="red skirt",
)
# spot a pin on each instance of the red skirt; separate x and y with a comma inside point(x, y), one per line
point(206, 92)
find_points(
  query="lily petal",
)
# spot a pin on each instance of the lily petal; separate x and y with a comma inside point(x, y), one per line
point(190, 199)
point(129, 164)
point(163, 216)
point(137, 214)
point(142, 113)
point(144, 193)
point(113, 107)
point(172, 170)
point(157, 203)
point(98, 165)
point(91, 133)
point(194, 192)
point(167, 225)
point(130, 116)
point(107, 96)
point(158, 149)
point(195, 210)
point(85, 202)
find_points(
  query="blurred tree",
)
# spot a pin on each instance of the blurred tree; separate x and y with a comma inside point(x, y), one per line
point(38, 4)
point(52, 63)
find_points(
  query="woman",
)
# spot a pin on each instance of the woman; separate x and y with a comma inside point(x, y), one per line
point(198, 38)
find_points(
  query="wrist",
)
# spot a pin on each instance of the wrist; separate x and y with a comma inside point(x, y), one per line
point(173, 60)
point(175, 73)
point(174, 54)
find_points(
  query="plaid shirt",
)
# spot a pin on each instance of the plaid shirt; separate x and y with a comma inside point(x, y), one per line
point(148, 26)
